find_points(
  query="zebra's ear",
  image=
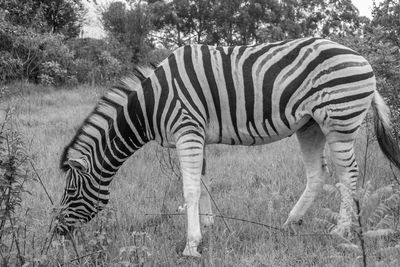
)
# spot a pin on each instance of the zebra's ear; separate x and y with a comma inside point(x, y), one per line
point(79, 164)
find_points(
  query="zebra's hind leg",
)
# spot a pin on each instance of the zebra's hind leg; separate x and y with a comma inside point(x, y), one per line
point(312, 144)
point(205, 201)
point(342, 154)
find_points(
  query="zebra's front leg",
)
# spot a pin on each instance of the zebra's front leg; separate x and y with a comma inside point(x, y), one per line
point(189, 146)
point(205, 201)
point(312, 144)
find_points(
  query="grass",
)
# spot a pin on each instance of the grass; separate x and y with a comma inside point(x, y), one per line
point(254, 183)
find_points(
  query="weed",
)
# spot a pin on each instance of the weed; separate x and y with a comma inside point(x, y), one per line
point(13, 177)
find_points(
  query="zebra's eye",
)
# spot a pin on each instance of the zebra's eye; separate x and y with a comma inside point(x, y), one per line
point(70, 190)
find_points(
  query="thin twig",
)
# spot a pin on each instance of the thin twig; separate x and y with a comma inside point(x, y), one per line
point(393, 173)
point(396, 136)
point(8, 111)
point(33, 248)
point(79, 258)
point(220, 216)
point(51, 223)
point(241, 220)
point(40, 180)
point(216, 206)
point(360, 233)
point(74, 246)
point(20, 257)
point(24, 239)
point(45, 241)
point(366, 153)
point(51, 238)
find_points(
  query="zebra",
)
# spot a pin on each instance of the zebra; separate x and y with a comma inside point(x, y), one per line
point(240, 95)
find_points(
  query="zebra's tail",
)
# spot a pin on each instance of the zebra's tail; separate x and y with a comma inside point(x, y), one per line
point(384, 131)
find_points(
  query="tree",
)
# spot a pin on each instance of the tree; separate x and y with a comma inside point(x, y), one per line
point(182, 21)
point(114, 20)
point(386, 15)
point(225, 15)
point(129, 26)
point(238, 22)
point(22, 13)
point(212, 21)
point(326, 17)
point(61, 16)
point(253, 15)
point(200, 19)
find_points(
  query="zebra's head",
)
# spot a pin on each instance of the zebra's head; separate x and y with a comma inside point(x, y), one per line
point(83, 197)
point(114, 130)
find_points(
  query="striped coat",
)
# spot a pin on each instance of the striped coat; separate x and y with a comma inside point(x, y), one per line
point(244, 95)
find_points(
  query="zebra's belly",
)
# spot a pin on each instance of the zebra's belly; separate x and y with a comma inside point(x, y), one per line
point(242, 136)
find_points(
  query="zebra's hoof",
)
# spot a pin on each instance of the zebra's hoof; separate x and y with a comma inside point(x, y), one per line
point(191, 251)
point(207, 220)
point(292, 226)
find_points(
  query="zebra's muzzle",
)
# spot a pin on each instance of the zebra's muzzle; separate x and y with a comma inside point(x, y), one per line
point(64, 230)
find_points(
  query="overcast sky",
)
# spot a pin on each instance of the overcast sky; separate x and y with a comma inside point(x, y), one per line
point(364, 6)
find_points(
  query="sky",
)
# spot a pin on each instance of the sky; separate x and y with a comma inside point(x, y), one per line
point(364, 6)
point(93, 26)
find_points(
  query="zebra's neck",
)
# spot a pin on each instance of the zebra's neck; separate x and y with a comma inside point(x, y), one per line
point(112, 132)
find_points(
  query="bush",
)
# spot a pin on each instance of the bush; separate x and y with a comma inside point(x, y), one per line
point(48, 59)
point(33, 56)
point(94, 61)
point(83, 70)
point(10, 67)
point(52, 73)
point(110, 67)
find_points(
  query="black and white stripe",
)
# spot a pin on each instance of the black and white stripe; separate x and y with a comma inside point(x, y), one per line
point(244, 95)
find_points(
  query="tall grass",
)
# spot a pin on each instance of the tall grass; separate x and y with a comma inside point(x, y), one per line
point(254, 183)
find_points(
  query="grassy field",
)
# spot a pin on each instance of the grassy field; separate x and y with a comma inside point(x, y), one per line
point(259, 184)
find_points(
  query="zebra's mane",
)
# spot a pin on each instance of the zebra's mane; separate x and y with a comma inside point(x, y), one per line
point(128, 83)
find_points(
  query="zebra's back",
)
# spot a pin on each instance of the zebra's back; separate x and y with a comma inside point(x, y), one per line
point(262, 93)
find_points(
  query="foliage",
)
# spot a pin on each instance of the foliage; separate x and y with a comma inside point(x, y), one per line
point(63, 17)
point(52, 73)
point(375, 235)
point(129, 26)
point(327, 18)
point(11, 68)
point(383, 52)
point(33, 35)
point(13, 179)
point(241, 22)
point(46, 58)
point(23, 13)
point(26, 52)
point(98, 61)
point(386, 15)
point(60, 17)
